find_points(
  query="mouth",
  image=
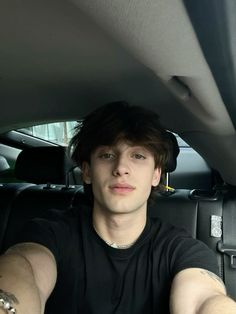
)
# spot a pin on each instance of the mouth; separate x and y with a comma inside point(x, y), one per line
point(122, 188)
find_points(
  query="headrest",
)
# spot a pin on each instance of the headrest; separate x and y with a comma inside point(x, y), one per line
point(4, 166)
point(42, 165)
point(172, 160)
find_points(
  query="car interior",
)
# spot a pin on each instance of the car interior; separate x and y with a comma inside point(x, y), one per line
point(61, 59)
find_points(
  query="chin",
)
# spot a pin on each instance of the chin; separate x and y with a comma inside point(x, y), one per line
point(125, 208)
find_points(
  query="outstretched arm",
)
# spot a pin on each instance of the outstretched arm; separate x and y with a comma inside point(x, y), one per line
point(27, 277)
point(198, 291)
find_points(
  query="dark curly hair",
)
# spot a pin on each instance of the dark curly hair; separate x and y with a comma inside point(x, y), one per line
point(120, 121)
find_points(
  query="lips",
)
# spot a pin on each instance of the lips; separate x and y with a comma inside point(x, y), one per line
point(122, 188)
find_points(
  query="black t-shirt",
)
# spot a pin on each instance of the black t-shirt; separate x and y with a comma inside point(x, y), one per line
point(94, 278)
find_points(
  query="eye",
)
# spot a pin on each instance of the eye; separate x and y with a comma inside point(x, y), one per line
point(107, 156)
point(139, 156)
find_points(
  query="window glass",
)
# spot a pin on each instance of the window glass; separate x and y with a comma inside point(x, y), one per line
point(180, 141)
point(59, 132)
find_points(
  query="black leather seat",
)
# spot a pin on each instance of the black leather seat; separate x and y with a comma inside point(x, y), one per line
point(22, 201)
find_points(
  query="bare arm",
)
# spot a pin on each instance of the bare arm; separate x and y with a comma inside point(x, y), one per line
point(28, 273)
point(197, 291)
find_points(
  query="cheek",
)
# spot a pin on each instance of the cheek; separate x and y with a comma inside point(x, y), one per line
point(146, 179)
point(97, 172)
point(99, 177)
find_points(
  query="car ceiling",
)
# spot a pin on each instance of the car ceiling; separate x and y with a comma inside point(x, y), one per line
point(60, 59)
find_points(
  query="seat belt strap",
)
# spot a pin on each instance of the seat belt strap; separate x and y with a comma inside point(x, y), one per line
point(228, 245)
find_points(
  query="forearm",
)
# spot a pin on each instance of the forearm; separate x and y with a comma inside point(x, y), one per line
point(17, 279)
point(219, 304)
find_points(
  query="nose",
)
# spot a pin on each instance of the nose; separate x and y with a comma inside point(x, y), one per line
point(120, 167)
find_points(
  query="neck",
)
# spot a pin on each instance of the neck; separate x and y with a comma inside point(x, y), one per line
point(119, 230)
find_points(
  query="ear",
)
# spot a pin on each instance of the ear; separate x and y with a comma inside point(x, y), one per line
point(156, 177)
point(86, 172)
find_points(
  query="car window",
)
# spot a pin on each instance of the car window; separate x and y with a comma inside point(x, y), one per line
point(192, 171)
point(57, 132)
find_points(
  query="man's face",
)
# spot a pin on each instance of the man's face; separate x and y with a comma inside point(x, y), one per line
point(122, 177)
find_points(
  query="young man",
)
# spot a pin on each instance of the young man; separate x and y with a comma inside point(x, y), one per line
point(110, 257)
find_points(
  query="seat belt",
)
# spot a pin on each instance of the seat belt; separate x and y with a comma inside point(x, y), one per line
point(228, 245)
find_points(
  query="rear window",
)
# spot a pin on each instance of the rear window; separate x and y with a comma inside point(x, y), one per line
point(59, 132)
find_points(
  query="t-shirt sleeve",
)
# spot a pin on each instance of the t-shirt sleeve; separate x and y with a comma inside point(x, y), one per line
point(187, 252)
point(53, 233)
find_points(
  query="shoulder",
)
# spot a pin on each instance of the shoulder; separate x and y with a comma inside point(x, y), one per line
point(68, 218)
point(166, 231)
point(181, 250)
point(53, 231)
point(168, 238)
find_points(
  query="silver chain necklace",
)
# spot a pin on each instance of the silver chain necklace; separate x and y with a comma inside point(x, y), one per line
point(114, 244)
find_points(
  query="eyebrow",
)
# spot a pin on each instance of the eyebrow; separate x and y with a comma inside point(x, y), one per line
point(114, 148)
